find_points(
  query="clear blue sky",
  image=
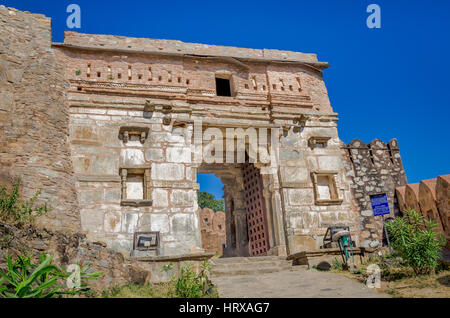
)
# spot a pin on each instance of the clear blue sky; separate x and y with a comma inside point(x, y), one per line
point(384, 83)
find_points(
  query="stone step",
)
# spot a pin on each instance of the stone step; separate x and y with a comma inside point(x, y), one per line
point(249, 271)
point(224, 266)
point(233, 266)
point(238, 260)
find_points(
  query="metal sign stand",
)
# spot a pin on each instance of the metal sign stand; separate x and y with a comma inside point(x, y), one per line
point(387, 235)
point(380, 207)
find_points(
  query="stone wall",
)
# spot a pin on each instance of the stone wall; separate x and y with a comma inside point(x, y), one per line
point(70, 249)
point(34, 117)
point(374, 168)
point(315, 190)
point(443, 203)
point(212, 226)
point(427, 203)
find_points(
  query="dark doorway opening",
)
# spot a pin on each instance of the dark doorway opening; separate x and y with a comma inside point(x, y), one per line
point(223, 87)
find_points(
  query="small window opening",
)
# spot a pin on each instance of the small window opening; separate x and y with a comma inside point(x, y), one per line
point(179, 79)
point(140, 76)
point(223, 87)
point(371, 156)
point(187, 81)
point(391, 156)
point(119, 75)
point(99, 74)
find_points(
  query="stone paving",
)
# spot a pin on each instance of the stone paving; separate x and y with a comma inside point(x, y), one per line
point(299, 283)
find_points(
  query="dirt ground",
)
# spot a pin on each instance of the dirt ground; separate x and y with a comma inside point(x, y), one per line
point(432, 286)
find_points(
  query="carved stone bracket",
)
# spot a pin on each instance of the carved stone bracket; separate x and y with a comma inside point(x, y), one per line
point(317, 140)
point(127, 132)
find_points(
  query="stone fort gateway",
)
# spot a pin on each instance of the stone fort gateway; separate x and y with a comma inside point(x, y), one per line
point(109, 128)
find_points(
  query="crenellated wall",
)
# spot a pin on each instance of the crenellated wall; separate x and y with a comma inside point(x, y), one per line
point(34, 117)
point(374, 168)
point(212, 226)
point(430, 198)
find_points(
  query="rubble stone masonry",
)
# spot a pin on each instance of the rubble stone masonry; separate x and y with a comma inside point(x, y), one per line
point(34, 117)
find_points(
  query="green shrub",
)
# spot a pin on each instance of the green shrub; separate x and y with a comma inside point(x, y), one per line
point(23, 279)
point(415, 240)
point(337, 264)
point(189, 284)
point(13, 209)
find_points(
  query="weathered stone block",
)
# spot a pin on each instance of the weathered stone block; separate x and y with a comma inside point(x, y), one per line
point(329, 163)
point(182, 198)
point(105, 165)
point(179, 154)
point(294, 175)
point(131, 157)
point(182, 226)
point(160, 198)
point(90, 196)
point(160, 222)
point(300, 196)
point(92, 220)
point(154, 154)
point(167, 171)
point(112, 221)
point(129, 222)
point(112, 195)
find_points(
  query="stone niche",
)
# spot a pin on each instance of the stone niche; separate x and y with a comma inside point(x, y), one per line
point(326, 188)
point(318, 142)
point(135, 186)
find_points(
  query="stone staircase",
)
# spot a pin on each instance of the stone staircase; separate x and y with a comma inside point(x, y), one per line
point(233, 266)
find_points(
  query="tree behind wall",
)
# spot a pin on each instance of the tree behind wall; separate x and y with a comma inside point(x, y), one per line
point(207, 200)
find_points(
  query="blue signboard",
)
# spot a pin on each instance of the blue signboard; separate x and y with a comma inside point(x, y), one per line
point(380, 205)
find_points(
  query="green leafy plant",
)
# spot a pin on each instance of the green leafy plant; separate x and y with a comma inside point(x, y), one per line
point(23, 279)
point(337, 264)
point(13, 209)
point(78, 72)
point(207, 200)
point(415, 240)
point(190, 284)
